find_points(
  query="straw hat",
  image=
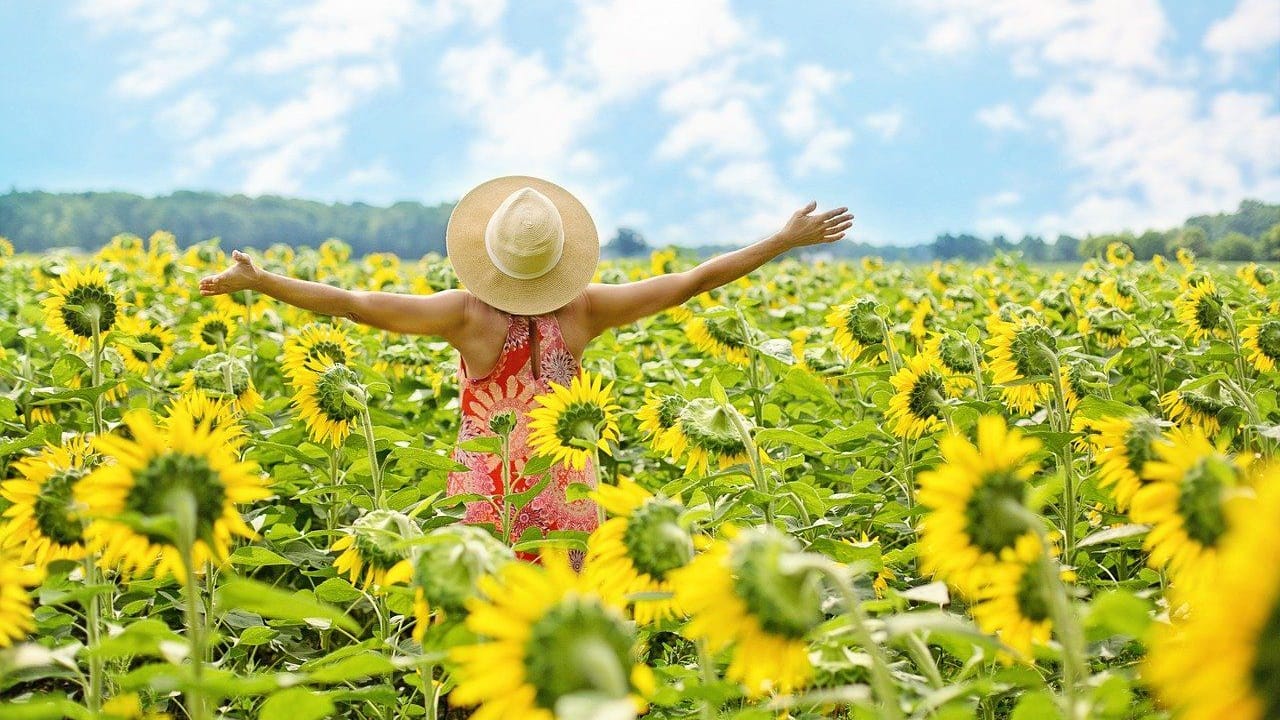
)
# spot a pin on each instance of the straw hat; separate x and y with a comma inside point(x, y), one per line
point(522, 244)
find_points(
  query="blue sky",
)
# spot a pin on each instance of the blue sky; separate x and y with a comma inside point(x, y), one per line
point(695, 121)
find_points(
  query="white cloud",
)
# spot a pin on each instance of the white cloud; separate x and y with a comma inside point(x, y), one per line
point(951, 35)
point(1147, 148)
point(1000, 117)
point(727, 131)
point(887, 124)
point(824, 152)
point(189, 116)
point(803, 119)
point(1254, 26)
point(331, 30)
point(372, 175)
point(1002, 199)
point(629, 45)
point(172, 41)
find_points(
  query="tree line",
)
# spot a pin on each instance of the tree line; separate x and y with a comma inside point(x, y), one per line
point(35, 221)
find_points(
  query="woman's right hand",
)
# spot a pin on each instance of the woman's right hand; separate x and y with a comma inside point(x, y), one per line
point(242, 275)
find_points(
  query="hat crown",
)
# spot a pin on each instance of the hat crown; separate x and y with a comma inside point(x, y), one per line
point(525, 235)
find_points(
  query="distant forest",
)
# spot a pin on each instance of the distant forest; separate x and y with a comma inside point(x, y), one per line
point(35, 221)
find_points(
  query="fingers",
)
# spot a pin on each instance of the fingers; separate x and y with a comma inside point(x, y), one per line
point(830, 214)
point(841, 228)
point(838, 219)
point(240, 257)
point(813, 205)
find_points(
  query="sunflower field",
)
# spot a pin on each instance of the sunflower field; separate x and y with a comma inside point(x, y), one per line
point(828, 490)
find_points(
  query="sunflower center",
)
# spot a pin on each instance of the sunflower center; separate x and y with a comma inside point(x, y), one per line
point(655, 542)
point(93, 300)
point(727, 332)
point(1200, 502)
point(1138, 440)
point(146, 355)
point(1269, 339)
point(214, 333)
point(330, 387)
point(1208, 312)
point(954, 352)
point(577, 646)
point(579, 421)
point(709, 427)
point(1028, 353)
point(1033, 596)
point(990, 524)
point(785, 601)
point(52, 508)
point(1264, 275)
point(1266, 665)
point(171, 473)
point(926, 394)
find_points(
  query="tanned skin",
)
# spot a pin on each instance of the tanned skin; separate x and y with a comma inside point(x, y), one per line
point(478, 330)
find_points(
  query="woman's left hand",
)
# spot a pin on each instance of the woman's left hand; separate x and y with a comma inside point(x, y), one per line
point(806, 228)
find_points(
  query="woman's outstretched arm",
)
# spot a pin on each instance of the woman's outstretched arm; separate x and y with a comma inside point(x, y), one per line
point(613, 305)
point(440, 314)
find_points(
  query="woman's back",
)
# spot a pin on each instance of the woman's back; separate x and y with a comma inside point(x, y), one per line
point(533, 355)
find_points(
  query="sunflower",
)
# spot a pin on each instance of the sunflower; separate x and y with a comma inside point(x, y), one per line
point(195, 408)
point(320, 399)
point(447, 567)
point(632, 554)
point(1186, 258)
point(208, 376)
point(233, 305)
point(80, 297)
point(1123, 446)
point(1119, 293)
point(214, 331)
point(1190, 407)
point(970, 527)
point(662, 261)
point(660, 419)
point(1018, 352)
point(1259, 277)
point(15, 602)
point(146, 331)
point(1223, 660)
point(1014, 604)
point(1119, 254)
point(1190, 485)
point(857, 326)
point(953, 350)
point(546, 636)
point(41, 519)
point(1103, 326)
point(369, 552)
point(150, 471)
point(1200, 311)
point(710, 433)
point(1261, 341)
point(720, 337)
point(314, 341)
point(583, 411)
point(918, 405)
point(745, 595)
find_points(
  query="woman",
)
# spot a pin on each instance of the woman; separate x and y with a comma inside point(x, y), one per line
point(525, 249)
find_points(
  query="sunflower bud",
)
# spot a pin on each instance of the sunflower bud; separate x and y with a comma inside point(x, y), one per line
point(449, 564)
point(502, 423)
point(779, 589)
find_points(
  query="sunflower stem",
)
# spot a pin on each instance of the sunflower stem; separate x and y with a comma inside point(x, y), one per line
point(707, 666)
point(185, 507)
point(754, 370)
point(1065, 457)
point(895, 361)
point(375, 472)
point(95, 373)
point(332, 510)
point(881, 679)
point(924, 660)
point(980, 388)
point(753, 459)
point(1241, 372)
point(92, 625)
point(506, 487)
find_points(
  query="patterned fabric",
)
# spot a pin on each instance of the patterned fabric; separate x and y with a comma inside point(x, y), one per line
point(511, 385)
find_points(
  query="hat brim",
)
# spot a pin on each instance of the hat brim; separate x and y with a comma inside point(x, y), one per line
point(464, 242)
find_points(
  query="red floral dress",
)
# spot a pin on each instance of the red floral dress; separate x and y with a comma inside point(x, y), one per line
point(512, 385)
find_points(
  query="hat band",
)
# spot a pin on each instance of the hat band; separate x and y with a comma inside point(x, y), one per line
point(496, 259)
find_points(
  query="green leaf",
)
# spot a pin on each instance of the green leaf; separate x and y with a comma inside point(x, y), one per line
point(537, 465)
point(337, 590)
point(524, 497)
point(270, 602)
point(357, 667)
point(486, 444)
point(42, 707)
point(255, 556)
point(1114, 533)
point(717, 392)
point(1120, 612)
point(36, 437)
point(1038, 705)
point(1096, 408)
point(418, 457)
point(577, 491)
point(297, 704)
point(786, 436)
